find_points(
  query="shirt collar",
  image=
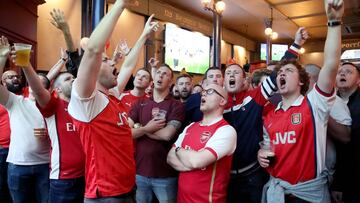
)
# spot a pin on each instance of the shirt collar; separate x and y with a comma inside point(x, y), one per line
point(166, 98)
point(213, 122)
point(297, 102)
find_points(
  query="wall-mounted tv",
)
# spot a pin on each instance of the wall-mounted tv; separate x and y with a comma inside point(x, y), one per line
point(186, 49)
point(278, 51)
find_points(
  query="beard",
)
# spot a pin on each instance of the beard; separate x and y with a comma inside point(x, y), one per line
point(14, 88)
point(185, 95)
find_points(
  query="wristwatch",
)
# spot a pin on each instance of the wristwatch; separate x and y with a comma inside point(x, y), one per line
point(334, 23)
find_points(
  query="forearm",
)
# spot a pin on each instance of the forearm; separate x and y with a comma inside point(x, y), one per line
point(153, 71)
point(174, 161)
point(338, 131)
point(2, 64)
point(138, 132)
point(41, 95)
point(91, 61)
point(189, 159)
point(55, 70)
point(4, 93)
point(68, 40)
point(165, 134)
point(332, 52)
point(104, 29)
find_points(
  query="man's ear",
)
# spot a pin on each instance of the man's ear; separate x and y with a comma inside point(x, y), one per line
point(223, 102)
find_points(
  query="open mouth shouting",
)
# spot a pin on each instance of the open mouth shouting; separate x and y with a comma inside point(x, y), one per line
point(232, 82)
point(282, 82)
point(159, 82)
point(203, 101)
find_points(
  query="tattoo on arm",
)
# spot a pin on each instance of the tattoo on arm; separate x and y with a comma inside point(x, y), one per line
point(176, 124)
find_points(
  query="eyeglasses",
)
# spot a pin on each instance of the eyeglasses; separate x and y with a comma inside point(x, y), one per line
point(211, 91)
point(10, 77)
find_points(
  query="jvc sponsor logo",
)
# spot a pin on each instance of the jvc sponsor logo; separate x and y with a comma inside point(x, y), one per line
point(286, 138)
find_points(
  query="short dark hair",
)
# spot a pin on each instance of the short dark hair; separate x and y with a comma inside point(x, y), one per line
point(183, 76)
point(273, 63)
point(167, 66)
point(47, 81)
point(236, 64)
point(258, 74)
point(212, 68)
point(303, 75)
point(146, 70)
point(357, 67)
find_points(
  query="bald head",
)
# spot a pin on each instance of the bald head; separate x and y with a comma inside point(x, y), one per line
point(12, 81)
point(218, 89)
point(8, 73)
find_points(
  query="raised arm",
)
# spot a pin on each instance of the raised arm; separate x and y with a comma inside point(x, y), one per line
point(301, 36)
point(90, 64)
point(59, 21)
point(55, 70)
point(121, 50)
point(153, 64)
point(41, 94)
point(130, 61)
point(332, 51)
point(4, 53)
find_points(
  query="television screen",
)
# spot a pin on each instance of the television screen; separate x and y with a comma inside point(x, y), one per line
point(186, 49)
point(278, 51)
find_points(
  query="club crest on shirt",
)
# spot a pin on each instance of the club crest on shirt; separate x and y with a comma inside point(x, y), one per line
point(205, 136)
point(296, 118)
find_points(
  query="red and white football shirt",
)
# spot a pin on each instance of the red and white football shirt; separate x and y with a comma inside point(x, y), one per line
point(67, 155)
point(107, 141)
point(299, 134)
point(208, 184)
point(128, 99)
point(4, 128)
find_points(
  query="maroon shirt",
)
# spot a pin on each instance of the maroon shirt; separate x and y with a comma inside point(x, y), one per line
point(151, 154)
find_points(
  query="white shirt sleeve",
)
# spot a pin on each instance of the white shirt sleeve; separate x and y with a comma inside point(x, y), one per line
point(11, 100)
point(86, 109)
point(181, 137)
point(340, 112)
point(321, 103)
point(223, 142)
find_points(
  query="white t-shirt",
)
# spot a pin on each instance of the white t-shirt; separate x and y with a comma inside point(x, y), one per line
point(341, 114)
point(25, 148)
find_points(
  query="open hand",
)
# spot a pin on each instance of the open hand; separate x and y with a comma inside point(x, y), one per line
point(58, 19)
point(4, 47)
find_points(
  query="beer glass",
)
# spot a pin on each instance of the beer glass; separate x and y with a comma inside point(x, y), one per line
point(22, 54)
point(269, 149)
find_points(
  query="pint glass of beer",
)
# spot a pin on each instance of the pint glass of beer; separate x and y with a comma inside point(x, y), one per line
point(269, 149)
point(22, 54)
